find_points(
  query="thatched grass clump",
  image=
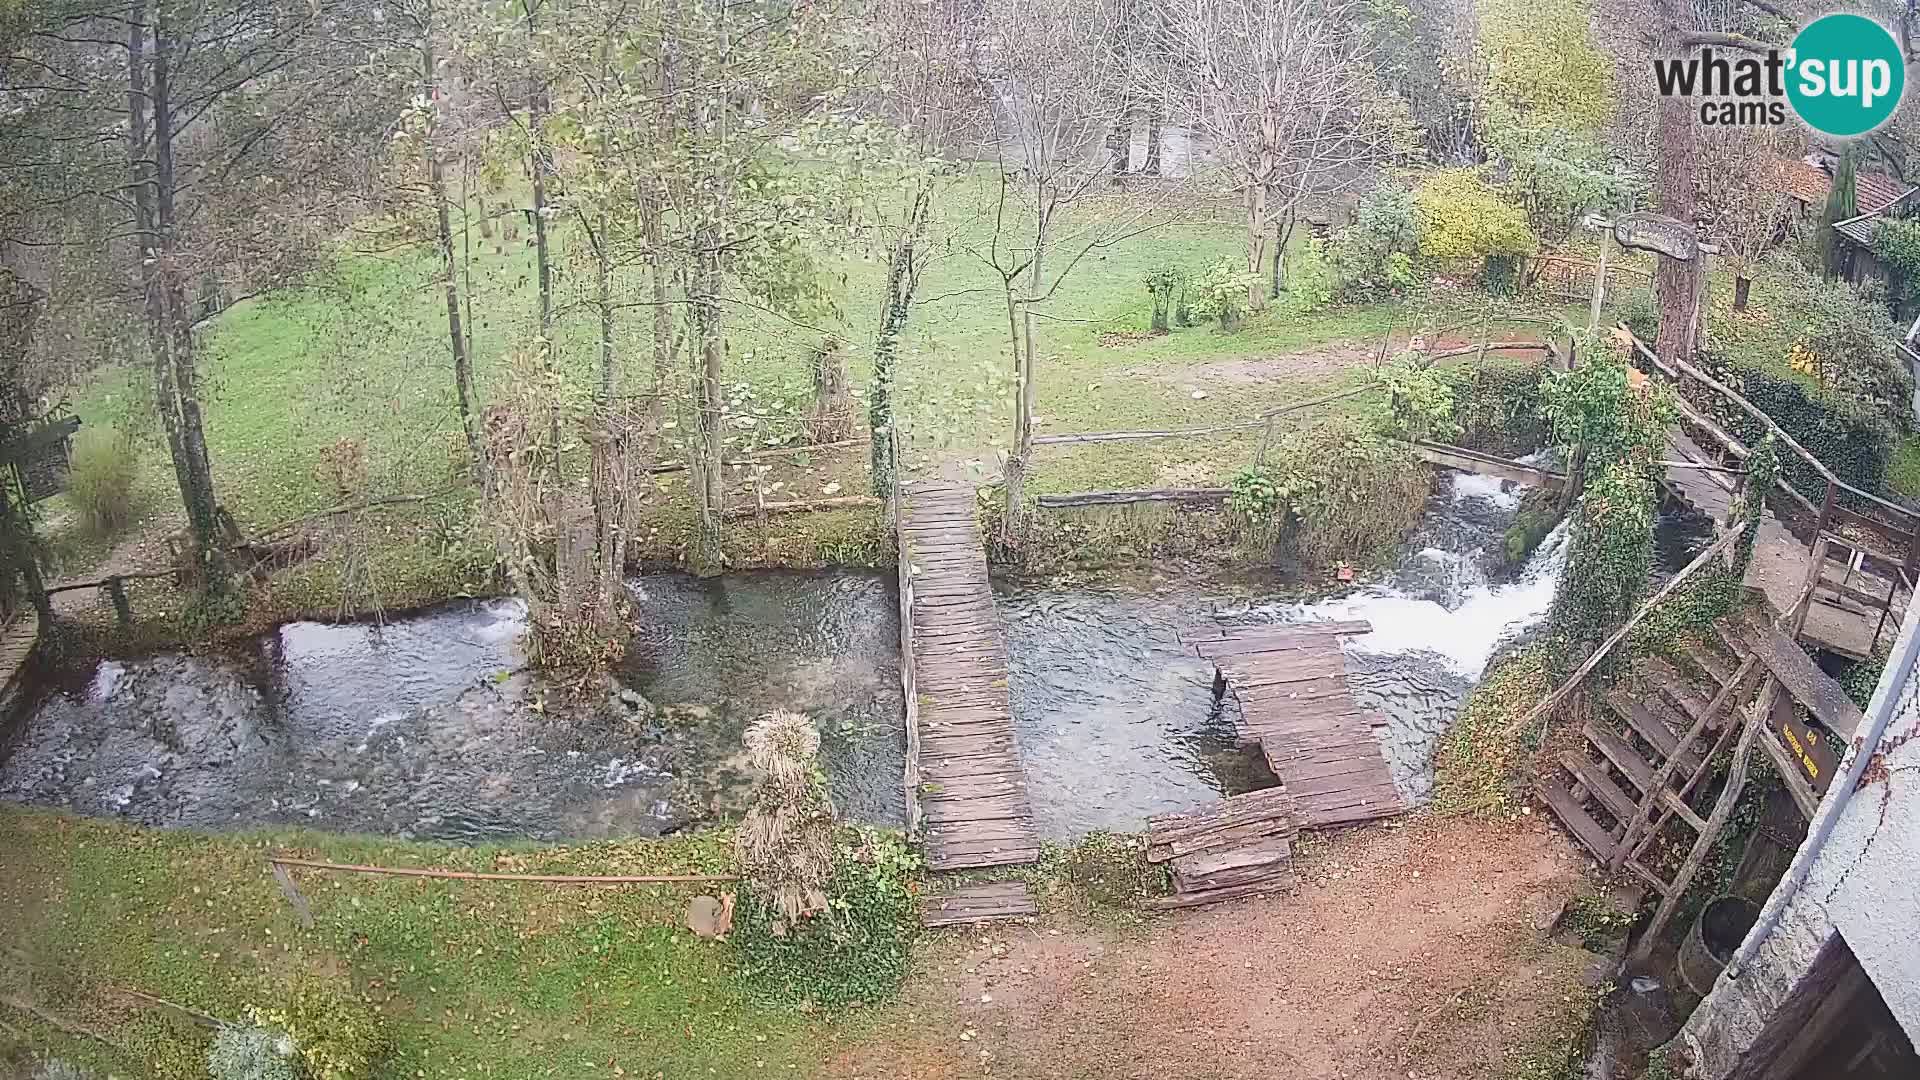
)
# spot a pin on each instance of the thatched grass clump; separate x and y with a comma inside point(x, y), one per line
point(785, 844)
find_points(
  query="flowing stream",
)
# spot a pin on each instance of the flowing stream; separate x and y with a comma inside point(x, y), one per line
point(426, 727)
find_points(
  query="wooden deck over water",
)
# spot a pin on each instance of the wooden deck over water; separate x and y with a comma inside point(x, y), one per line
point(965, 771)
point(1291, 682)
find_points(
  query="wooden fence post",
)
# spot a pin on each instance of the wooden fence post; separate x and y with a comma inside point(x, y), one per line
point(117, 591)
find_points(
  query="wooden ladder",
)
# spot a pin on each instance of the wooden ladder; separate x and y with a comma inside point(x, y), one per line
point(1634, 776)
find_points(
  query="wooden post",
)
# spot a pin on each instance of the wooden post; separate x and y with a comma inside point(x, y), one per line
point(116, 587)
point(1600, 281)
point(292, 892)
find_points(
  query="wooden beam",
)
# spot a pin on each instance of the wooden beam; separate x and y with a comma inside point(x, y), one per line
point(1573, 681)
point(1456, 457)
point(1194, 496)
point(1722, 810)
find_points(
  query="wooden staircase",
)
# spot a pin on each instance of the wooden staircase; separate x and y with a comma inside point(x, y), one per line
point(1644, 755)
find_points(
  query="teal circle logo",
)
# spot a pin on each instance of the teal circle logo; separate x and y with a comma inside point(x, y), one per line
point(1845, 75)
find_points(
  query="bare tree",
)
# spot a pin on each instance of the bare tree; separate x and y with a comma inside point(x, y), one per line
point(1059, 83)
point(926, 85)
point(1287, 94)
point(1744, 207)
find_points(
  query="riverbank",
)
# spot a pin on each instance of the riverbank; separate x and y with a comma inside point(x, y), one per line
point(1417, 946)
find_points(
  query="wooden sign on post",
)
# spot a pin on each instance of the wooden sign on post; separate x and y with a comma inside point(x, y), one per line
point(1648, 231)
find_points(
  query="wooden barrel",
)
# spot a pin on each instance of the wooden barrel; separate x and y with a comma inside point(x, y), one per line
point(1722, 925)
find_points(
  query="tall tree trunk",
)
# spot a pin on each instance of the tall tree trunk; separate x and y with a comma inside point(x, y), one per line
point(1120, 144)
point(1256, 245)
point(898, 303)
point(456, 334)
point(197, 493)
point(1026, 393)
point(1674, 285)
point(1151, 165)
point(707, 474)
point(146, 224)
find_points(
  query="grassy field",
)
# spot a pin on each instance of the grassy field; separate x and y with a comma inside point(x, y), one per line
point(361, 355)
point(469, 980)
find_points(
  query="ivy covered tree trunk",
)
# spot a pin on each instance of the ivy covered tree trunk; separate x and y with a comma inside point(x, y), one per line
point(707, 473)
point(443, 224)
point(902, 280)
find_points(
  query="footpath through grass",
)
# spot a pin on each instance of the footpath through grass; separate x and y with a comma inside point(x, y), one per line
point(470, 979)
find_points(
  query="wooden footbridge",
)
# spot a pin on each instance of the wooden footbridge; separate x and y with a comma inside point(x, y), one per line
point(1296, 706)
point(966, 788)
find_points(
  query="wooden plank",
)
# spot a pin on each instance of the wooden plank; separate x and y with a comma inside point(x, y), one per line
point(1802, 678)
point(1575, 817)
point(1272, 806)
point(1624, 756)
point(1654, 730)
point(1282, 883)
point(1591, 776)
point(983, 902)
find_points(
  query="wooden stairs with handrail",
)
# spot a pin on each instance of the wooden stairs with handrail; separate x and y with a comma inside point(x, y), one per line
point(1644, 754)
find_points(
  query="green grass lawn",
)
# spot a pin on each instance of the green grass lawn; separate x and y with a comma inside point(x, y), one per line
point(361, 354)
point(469, 979)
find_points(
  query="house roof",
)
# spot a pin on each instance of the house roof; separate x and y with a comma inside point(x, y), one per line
point(1876, 191)
point(1859, 228)
point(1809, 183)
point(1805, 181)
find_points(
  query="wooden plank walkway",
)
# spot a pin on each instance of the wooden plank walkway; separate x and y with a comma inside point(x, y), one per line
point(1291, 682)
point(985, 901)
point(969, 784)
point(1781, 563)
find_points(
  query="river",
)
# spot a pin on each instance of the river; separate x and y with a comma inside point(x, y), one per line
point(427, 727)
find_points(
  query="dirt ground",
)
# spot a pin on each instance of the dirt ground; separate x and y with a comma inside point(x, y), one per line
point(1320, 360)
point(1414, 952)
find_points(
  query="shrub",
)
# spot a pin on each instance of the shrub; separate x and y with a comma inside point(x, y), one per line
point(1375, 254)
point(1162, 282)
point(1460, 217)
point(1311, 280)
point(785, 844)
point(1847, 343)
point(337, 1036)
point(1220, 292)
point(1347, 495)
point(1480, 764)
point(1848, 435)
point(101, 483)
point(1896, 243)
point(1640, 313)
point(855, 952)
point(1420, 399)
point(1497, 406)
point(251, 1053)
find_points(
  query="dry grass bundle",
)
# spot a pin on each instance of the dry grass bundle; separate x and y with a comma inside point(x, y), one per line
point(785, 844)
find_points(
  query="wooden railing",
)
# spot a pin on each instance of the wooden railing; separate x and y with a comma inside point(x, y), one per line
point(1571, 277)
point(1895, 525)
